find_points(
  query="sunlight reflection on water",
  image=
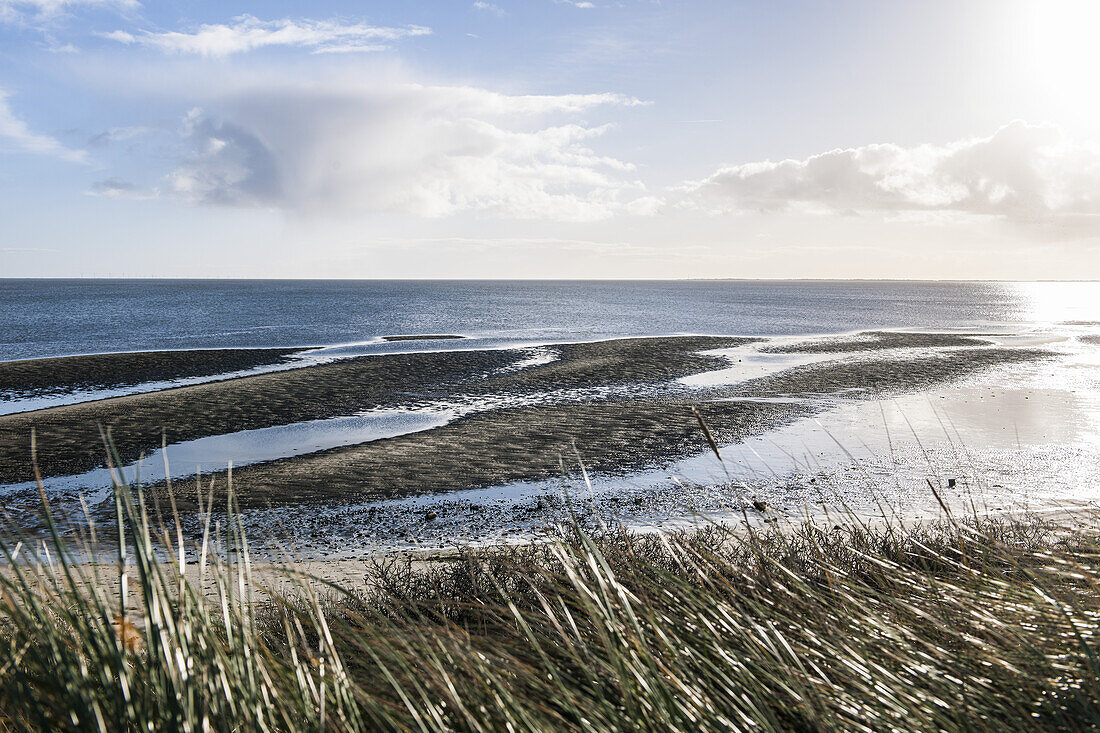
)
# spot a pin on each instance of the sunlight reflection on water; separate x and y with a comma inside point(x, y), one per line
point(1059, 302)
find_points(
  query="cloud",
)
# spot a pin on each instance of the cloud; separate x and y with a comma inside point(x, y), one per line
point(117, 188)
point(16, 133)
point(1023, 173)
point(229, 165)
point(247, 33)
point(489, 8)
point(430, 151)
point(512, 243)
point(17, 10)
point(113, 186)
point(117, 135)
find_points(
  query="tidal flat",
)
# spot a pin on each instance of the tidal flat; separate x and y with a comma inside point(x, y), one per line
point(69, 438)
point(485, 418)
point(100, 371)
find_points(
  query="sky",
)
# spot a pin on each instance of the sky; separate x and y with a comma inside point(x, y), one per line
point(927, 139)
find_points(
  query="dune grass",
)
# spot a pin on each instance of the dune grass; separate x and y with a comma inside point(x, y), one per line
point(961, 624)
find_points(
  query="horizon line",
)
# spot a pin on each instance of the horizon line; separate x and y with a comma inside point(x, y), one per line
point(545, 279)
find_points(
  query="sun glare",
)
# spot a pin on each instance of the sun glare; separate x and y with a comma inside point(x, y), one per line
point(1060, 302)
point(1061, 52)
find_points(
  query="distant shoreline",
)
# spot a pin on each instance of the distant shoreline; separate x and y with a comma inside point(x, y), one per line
point(102, 278)
point(422, 337)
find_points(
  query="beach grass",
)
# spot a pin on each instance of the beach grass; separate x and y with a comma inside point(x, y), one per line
point(966, 623)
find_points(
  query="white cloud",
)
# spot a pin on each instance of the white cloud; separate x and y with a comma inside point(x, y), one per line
point(14, 10)
point(430, 151)
point(512, 243)
point(1023, 173)
point(247, 33)
point(16, 133)
point(645, 206)
point(489, 8)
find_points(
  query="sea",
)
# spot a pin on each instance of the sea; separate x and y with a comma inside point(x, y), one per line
point(48, 318)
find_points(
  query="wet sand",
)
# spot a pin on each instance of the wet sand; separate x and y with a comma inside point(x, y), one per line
point(501, 446)
point(887, 376)
point(620, 361)
point(643, 420)
point(100, 371)
point(534, 443)
point(69, 439)
point(875, 340)
point(623, 412)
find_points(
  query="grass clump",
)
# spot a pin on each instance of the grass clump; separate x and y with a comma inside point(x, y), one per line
point(987, 624)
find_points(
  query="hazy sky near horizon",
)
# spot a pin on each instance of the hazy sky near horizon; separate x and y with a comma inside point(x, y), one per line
point(550, 138)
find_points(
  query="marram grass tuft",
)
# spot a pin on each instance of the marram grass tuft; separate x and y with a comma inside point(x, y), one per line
point(987, 624)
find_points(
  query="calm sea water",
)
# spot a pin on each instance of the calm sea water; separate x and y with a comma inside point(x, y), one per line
point(41, 318)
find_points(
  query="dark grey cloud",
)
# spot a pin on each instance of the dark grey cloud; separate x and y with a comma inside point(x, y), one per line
point(229, 165)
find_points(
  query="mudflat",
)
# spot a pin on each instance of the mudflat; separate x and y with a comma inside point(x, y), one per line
point(876, 340)
point(886, 376)
point(69, 438)
point(537, 442)
point(70, 373)
point(620, 361)
point(614, 405)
